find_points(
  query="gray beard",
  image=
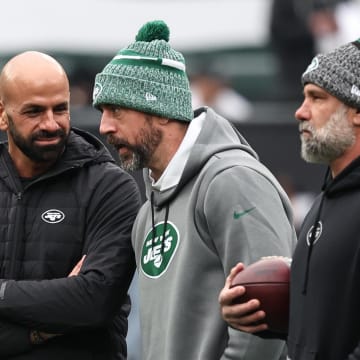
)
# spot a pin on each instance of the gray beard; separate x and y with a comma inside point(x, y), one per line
point(329, 142)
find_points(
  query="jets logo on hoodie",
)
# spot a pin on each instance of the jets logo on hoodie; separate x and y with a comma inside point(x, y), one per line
point(159, 249)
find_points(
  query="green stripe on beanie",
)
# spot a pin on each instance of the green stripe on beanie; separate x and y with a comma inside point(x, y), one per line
point(337, 72)
point(147, 76)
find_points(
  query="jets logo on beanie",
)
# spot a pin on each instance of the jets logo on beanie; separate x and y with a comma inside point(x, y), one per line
point(338, 72)
point(147, 76)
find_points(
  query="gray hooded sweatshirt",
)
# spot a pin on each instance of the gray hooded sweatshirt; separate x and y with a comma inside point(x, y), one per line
point(226, 207)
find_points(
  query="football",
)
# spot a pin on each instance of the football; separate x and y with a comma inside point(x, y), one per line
point(268, 281)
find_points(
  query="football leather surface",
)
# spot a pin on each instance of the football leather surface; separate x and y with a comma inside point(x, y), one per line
point(268, 281)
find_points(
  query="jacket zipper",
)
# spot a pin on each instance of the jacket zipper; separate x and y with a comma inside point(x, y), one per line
point(13, 271)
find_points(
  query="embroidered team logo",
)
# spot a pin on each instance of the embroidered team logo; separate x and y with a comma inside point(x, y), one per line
point(314, 65)
point(157, 253)
point(355, 91)
point(318, 232)
point(97, 90)
point(53, 216)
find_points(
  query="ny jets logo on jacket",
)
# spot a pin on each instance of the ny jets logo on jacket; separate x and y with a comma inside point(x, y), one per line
point(53, 216)
point(159, 249)
point(318, 231)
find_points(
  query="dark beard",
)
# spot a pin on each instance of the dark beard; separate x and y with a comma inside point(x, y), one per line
point(141, 152)
point(40, 154)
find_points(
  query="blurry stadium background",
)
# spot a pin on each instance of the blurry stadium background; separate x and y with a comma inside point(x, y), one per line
point(229, 38)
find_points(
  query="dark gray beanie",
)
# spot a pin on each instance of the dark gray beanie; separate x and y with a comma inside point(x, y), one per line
point(338, 73)
point(148, 76)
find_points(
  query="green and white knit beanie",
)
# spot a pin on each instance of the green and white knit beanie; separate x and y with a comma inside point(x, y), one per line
point(147, 76)
point(338, 72)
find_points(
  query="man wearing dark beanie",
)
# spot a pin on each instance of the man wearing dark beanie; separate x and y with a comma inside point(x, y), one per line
point(325, 273)
point(210, 202)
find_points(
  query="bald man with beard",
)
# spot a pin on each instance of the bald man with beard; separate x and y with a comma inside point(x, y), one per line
point(67, 211)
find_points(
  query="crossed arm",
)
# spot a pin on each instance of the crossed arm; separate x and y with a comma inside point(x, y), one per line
point(39, 337)
point(15, 339)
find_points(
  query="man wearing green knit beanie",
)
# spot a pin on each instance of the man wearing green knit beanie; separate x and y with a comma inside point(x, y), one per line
point(148, 76)
point(210, 202)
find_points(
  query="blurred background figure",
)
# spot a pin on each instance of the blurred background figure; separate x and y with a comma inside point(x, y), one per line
point(214, 90)
point(299, 29)
point(336, 24)
point(81, 88)
point(293, 44)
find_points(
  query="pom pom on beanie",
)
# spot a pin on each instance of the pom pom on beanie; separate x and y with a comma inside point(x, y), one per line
point(147, 76)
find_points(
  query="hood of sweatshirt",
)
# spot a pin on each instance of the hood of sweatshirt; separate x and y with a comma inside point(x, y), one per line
point(347, 180)
point(216, 135)
point(83, 147)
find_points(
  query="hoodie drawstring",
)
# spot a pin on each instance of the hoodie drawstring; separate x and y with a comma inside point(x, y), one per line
point(311, 244)
point(152, 219)
point(164, 229)
point(313, 233)
point(153, 224)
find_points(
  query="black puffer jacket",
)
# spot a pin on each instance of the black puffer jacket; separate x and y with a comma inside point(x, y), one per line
point(84, 205)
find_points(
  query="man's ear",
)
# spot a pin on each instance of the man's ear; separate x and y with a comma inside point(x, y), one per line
point(356, 119)
point(3, 118)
